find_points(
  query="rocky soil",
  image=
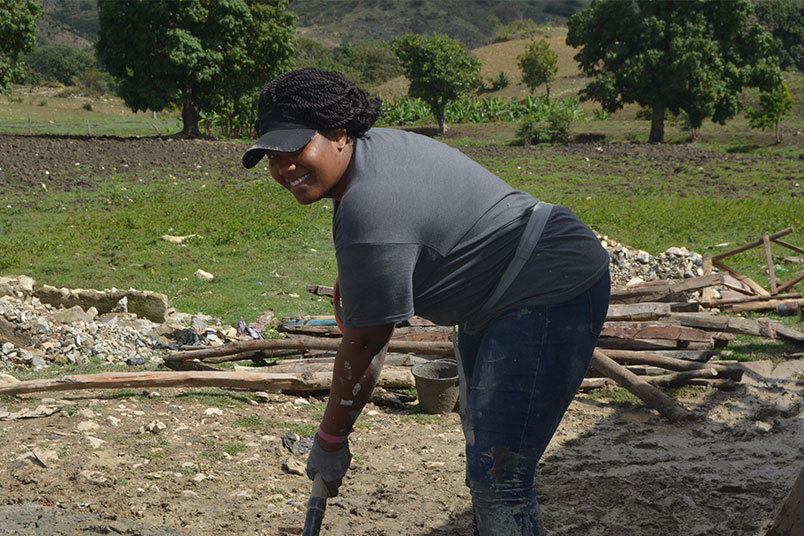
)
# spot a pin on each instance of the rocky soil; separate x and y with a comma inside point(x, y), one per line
point(207, 462)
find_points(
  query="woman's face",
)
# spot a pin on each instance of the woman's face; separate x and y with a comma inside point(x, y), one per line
point(315, 171)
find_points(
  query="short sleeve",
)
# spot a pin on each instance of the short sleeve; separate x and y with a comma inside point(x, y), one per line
point(376, 283)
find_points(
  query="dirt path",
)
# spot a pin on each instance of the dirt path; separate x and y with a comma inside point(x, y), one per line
point(217, 467)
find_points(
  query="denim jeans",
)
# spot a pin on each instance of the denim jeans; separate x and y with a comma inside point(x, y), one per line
point(519, 375)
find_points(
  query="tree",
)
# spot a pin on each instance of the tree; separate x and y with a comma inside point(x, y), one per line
point(196, 54)
point(694, 56)
point(17, 37)
point(784, 19)
point(61, 63)
point(440, 70)
point(773, 106)
point(539, 65)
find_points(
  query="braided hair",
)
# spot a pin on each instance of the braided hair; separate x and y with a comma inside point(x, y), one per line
point(323, 100)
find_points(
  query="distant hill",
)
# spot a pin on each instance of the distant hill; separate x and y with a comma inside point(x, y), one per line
point(330, 22)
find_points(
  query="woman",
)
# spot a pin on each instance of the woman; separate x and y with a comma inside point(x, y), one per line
point(419, 228)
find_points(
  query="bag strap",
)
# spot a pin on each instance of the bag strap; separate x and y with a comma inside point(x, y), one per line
point(539, 215)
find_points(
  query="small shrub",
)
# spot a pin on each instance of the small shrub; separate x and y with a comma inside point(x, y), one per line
point(43, 102)
point(555, 130)
point(87, 106)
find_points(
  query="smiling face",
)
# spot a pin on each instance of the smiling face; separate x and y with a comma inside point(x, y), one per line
point(317, 170)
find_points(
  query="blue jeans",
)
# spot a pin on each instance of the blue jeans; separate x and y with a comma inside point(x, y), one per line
point(519, 375)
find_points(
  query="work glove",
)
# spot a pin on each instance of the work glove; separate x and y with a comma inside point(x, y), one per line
point(331, 465)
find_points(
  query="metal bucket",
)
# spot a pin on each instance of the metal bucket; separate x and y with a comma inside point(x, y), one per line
point(436, 385)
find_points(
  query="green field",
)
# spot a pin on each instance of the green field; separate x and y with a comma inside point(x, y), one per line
point(730, 187)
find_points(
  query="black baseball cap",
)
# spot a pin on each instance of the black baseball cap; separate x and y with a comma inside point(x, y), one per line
point(279, 131)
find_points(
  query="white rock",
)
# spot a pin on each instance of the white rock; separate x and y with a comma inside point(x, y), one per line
point(213, 411)
point(204, 276)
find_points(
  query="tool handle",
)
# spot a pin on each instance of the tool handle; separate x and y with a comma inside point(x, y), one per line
point(316, 507)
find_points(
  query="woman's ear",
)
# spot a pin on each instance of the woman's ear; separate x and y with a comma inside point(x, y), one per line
point(339, 136)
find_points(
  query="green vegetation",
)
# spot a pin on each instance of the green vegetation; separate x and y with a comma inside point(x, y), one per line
point(211, 57)
point(773, 106)
point(218, 398)
point(784, 19)
point(672, 56)
point(17, 37)
point(60, 63)
point(440, 71)
point(539, 66)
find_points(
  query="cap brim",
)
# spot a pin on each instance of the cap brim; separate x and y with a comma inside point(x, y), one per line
point(280, 140)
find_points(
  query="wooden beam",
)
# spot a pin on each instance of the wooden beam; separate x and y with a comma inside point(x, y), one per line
point(769, 260)
point(755, 243)
point(391, 377)
point(748, 299)
point(789, 284)
point(788, 245)
point(652, 397)
point(307, 343)
point(706, 293)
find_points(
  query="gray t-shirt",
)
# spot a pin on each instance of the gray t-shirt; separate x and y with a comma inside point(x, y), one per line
point(423, 229)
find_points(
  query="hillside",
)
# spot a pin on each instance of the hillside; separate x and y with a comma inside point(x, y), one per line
point(75, 22)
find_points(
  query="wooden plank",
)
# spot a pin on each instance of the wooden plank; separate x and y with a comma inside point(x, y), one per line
point(640, 344)
point(747, 299)
point(769, 305)
point(307, 343)
point(769, 259)
point(756, 287)
point(638, 311)
point(706, 293)
point(393, 377)
point(655, 290)
point(654, 330)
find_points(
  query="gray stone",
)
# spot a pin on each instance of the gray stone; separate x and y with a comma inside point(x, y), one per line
point(150, 305)
point(72, 315)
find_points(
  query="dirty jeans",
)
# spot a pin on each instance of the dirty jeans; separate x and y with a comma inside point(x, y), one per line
point(519, 375)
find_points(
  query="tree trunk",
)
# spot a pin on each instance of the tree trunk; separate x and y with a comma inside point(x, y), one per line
point(548, 92)
point(790, 519)
point(657, 123)
point(190, 115)
point(442, 120)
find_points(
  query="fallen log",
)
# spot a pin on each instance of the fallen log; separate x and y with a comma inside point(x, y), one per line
point(652, 397)
point(390, 378)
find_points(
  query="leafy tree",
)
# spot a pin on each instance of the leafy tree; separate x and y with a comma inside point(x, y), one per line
point(784, 19)
point(375, 61)
point(773, 106)
point(203, 56)
point(60, 62)
point(539, 65)
point(440, 70)
point(690, 56)
point(17, 37)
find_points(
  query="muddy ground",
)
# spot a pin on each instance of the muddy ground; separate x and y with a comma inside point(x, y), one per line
point(215, 464)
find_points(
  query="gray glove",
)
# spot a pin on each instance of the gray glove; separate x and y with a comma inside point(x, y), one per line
point(331, 465)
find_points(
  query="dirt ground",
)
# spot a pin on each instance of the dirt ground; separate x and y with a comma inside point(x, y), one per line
point(217, 466)
point(215, 463)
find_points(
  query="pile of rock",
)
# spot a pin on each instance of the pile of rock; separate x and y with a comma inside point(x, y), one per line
point(34, 334)
point(49, 325)
point(630, 265)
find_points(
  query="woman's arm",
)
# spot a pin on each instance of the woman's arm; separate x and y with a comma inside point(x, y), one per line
point(357, 369)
